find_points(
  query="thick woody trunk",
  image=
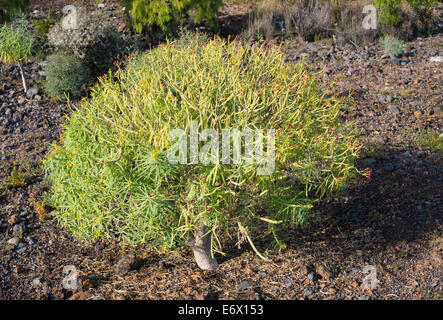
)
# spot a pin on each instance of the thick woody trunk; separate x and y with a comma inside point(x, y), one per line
point(201, 247)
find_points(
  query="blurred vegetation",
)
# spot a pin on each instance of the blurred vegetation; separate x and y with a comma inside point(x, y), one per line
point(10, 8)
point(162, 13)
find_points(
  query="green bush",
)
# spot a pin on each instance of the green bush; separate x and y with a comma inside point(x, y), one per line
point(390, 14)
point(163, 12)
point(422, 9)
point(16, 46)
point(110, 175)
point(391, 11)
point(66, 76)
point(393, 46)
point(95, 42)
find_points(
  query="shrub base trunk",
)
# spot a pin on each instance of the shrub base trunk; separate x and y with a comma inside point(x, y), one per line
point(201, 246)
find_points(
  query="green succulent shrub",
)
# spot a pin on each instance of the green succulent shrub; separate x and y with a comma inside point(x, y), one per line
point(10, 8)
point(111, 177)
point(16, 44)
point(393, 46)
point(66, 76)
point(162, 13)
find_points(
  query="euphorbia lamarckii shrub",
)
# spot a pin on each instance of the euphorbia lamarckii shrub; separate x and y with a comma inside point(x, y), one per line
point(112, 175)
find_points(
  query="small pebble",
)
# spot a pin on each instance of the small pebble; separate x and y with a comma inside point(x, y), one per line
point(288, 282)
point(37, 281)
point(21, 249)
point(18, 229)
point(243, 285)
point(389, 167)
point(14, 241)
point(23, 214)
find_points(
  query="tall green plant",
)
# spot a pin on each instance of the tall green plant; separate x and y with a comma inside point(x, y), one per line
point(16, 44)
point(110, 173)
point(162, 12)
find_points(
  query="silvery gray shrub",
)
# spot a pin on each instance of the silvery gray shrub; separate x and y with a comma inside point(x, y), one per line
point(93, 40)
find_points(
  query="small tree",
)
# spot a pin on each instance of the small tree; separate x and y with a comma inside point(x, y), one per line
point(16, 46)
point(162, 12)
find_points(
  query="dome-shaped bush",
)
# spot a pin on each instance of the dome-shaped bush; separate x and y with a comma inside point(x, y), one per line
point(112, 177)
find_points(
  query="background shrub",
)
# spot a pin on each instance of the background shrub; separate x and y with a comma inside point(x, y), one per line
point(110, 175)
point(261, 24)
point(390, 12)
point(15, 43)
point(162, 13)
point(312, 19)
point(423, 10)
point(95, 42)
point(43, 25)
point(66, 76)
point(396, 16)
point(393, 46)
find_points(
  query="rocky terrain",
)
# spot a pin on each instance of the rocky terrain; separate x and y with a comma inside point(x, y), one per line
point(390, 223)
